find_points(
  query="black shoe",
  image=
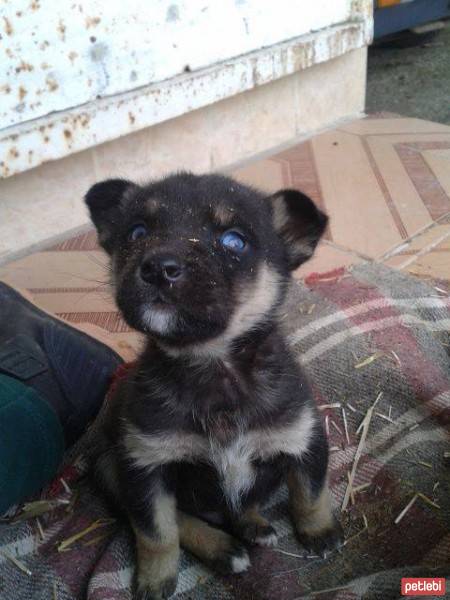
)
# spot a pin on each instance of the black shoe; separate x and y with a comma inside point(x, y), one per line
point(69, 369)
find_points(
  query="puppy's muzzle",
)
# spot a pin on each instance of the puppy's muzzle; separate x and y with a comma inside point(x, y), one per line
point(162, 269)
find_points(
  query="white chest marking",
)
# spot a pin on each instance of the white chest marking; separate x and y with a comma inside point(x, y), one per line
point(233, 462)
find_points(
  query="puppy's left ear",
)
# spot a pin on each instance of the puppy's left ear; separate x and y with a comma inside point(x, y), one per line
point(299, 223)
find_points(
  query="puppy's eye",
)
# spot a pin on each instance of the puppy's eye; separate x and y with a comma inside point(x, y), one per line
point(233, 241)
point(137, 232)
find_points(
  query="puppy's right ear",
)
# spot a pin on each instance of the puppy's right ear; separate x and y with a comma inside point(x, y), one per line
point(104, 203)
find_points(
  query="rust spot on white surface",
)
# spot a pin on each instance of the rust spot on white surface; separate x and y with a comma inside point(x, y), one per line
point(24, 66)
point(92, 22)
point(61, 29)
point(8, 27)
point(51, 84)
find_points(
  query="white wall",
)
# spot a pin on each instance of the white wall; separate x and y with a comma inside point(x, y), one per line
point(65, 53)
point(78, 73)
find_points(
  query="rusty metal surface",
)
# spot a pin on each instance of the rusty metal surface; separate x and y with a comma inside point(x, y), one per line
point(74, 75)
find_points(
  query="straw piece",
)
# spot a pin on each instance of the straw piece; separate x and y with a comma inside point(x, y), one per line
point(288, 553)
point(310, 309)
point(335, 426)
point(327, 425)
point(325, 406)
point(352, 408)
point(325, 590)
point(406, 509)
point(424, 464)
point(358, 453)
point(427, 500)
point(361, 425)
point(39, 526)
point(352, 495)
point(344, 418)
point(194, 240)
point(385, 417)
point(397, 360)
point(17, 562)
point(65, 485)
point(415, 426)
point(352, 537)
point(438, 289)
point(360, 488)
point(369, 360)
point(95, 540)
point(62, 547)
point(37, 508)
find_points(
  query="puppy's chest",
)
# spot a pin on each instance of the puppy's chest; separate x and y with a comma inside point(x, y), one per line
point(235, 461)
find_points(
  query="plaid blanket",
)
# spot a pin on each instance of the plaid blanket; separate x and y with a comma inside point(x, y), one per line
point(375, 344)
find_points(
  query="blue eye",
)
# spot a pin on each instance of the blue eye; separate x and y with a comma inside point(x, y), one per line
point(137, 232)
point(233, 241)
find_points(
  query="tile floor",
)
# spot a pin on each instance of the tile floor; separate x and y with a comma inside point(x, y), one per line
point(383, 180)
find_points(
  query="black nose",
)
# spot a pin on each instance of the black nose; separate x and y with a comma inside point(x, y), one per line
point(156, 269)
point(171, 269)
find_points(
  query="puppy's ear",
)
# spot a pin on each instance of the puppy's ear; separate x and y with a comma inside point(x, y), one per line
point(104, 200)
point(299, 223)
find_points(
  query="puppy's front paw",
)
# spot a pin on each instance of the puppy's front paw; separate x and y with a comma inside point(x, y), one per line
point(233, 560)
point(259, 534)
point(322, 542)
point(157, 572)
point(156, 591)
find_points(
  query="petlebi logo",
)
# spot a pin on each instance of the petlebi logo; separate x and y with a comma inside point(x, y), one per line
point(423, 586)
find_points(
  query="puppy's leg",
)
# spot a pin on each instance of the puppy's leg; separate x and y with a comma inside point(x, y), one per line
point(254, 529)
point(152, 511)
point(309, 499)
point(212, 545)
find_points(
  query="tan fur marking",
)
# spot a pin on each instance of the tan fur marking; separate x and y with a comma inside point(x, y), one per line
point(222, 215)
point(280, 214)
point(152, 206)
point(204, 541)
point(157, 562)
point(158, 557)
point(312, 516)
point(252, 515)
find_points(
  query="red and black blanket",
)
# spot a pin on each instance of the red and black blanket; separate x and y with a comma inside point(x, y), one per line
point(376, 346)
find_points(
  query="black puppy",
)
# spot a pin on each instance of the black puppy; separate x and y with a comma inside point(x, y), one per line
point(216, 413)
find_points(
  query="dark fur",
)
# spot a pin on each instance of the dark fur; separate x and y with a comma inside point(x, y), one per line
point(206, 384)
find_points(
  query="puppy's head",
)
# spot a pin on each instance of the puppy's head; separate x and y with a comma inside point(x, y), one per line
point(201, 260)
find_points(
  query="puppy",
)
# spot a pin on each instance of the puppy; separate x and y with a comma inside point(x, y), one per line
point(216, 412)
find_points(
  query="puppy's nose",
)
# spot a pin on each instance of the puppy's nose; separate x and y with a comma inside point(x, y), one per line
point(156, 269)
point(171, 269)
